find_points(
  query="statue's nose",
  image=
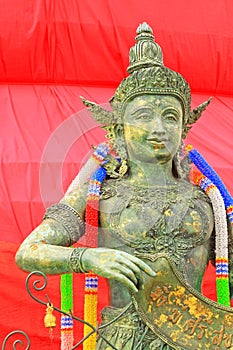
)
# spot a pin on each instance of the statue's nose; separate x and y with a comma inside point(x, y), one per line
point(157, 127)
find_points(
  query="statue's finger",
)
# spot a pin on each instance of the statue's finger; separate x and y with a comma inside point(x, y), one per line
point(135, 270)
point(128, 272)
point(126, 281)
point(143, 266)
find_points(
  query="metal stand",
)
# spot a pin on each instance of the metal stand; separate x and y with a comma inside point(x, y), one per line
point(39, 285)
point(17, 341)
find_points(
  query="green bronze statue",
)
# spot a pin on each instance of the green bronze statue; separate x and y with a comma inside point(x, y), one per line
point(156, 228)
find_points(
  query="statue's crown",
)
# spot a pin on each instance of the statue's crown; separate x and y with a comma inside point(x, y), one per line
point(148, 75)
point(146, 52)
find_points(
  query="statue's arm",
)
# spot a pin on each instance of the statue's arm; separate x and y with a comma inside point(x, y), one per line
point(47, 248)
point(196, 263)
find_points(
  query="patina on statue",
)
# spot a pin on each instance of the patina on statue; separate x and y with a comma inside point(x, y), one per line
point(148, 209)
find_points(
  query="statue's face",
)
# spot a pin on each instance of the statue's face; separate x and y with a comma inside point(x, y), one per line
point(153, 127)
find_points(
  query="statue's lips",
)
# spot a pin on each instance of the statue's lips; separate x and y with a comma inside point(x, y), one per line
point(158, 144)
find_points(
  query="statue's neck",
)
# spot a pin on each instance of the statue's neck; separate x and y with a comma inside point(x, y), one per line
point(151, 174)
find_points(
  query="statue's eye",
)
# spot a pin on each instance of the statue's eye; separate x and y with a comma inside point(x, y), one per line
point(143, 115)
point(171, 116)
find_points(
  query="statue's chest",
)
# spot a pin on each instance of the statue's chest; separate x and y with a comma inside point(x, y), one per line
point(158, 220)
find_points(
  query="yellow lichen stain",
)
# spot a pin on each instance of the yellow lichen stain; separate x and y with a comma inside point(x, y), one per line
point(159, 273)
point(175, 335)
point(228, 320)
point(161, 320)
point(190, 303)
point(194, 215)
point(198, 309)
point(34, 246)
point(177, 296)
point(168, 212)
point(187, 223)
point(149, 309)
point(197, 226)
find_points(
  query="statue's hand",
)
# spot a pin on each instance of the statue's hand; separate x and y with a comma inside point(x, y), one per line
point(116, 264)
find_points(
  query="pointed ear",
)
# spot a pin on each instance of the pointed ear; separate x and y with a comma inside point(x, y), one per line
point(194, 116)
point(196, 113)
point(101, 115)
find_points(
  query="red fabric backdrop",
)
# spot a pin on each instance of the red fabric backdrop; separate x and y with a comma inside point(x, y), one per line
point(51, 53)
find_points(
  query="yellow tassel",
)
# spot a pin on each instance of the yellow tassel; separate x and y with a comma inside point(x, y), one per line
point(90, 315)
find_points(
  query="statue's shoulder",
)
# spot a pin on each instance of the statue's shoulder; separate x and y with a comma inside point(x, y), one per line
point(202, 203)
point(199, 194)
point(199, 204)
point(198, 197)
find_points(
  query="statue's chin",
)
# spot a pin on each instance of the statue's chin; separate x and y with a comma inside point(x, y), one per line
point(159, 157)
point(149, 154)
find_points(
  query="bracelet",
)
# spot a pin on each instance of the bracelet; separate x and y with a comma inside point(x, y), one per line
point(69, 218)
point(76, 260)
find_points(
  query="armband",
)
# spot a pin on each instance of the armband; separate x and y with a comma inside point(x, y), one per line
point(76, 260)
point(69, 218)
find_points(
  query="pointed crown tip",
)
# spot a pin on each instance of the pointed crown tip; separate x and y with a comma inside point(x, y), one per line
point(144, 27)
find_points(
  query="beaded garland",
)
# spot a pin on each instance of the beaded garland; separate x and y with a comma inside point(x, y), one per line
point(209, 172)
point(221, 239)
point(93, 163)
point(222, 202)
point(67, 337)
point(91, 281)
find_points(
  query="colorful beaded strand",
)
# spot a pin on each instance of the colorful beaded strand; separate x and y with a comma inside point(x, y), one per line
point(209, 172)
point(91, 235)
point(66, 287)
point(221, 239)
point(93, 163)
point(221, 201)
point(91, 280)
point(67, 337)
